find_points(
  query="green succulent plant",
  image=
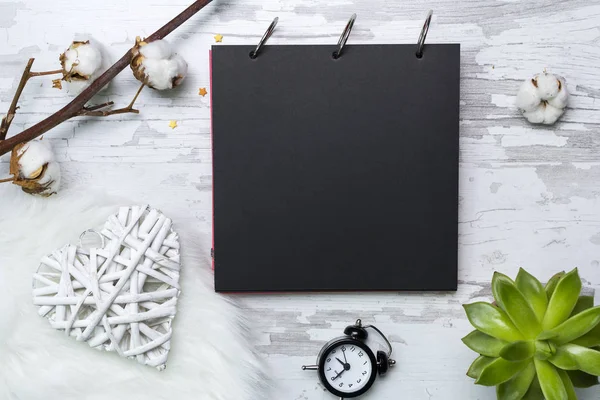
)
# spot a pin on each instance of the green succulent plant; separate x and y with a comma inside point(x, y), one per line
point(535, 342)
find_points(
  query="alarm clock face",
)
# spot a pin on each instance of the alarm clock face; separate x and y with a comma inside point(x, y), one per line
point(347, 367)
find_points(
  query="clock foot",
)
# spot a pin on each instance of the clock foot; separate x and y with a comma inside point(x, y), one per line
point(310, 367)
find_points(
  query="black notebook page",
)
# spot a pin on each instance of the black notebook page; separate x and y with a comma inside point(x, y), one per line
point(335, 174)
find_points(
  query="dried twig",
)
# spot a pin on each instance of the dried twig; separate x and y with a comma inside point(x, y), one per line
point(75, 107)
point(91, 111)
point(6, 121)
point(98, 106)
point(44, 73)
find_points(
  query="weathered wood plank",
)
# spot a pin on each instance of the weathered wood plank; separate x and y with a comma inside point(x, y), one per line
point(528, 195)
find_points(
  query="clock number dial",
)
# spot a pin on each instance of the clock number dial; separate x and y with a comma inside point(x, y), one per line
point(347, 368)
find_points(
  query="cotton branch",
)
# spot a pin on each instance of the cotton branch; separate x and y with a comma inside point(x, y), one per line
point(6, 121)
point(78, 105)
point(91, 111)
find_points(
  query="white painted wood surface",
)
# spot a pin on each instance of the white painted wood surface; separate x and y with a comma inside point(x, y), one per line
point(528, 195)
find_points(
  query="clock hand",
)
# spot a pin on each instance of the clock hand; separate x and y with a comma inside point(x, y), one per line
point(345, 359)
point(338, 375)
point(341, 362)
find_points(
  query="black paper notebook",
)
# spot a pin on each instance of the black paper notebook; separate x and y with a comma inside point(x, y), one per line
point(335, 174)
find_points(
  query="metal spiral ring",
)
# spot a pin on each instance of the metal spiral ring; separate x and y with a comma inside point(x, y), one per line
point(344, 38)
point(263, 40)
point(423, 35)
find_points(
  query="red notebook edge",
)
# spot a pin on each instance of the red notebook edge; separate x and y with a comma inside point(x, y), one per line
point(212, 250)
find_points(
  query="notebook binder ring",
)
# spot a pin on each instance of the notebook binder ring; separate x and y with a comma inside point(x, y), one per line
point(423, 35)
point(344, 38)
point(263, 40)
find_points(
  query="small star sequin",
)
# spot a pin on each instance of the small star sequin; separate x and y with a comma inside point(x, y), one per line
point(218, 38)
point(202, 92)
point(172, 124)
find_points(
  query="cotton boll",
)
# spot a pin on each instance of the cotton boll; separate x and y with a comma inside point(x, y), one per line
point(35, 169)
point(548, 85)
point(181, 69)
point(528, 98)
point(156, 73)
point(157, 50)
point(155, 65)
point(561, 99)
point(50, 180)
point(536, 116)
point(543, 98)
point(80, 61)
point(84, 61)
point(164, 74)
point(552, 114)
point(32, 156)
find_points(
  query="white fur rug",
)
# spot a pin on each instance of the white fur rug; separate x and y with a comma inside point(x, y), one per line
point(211, 357)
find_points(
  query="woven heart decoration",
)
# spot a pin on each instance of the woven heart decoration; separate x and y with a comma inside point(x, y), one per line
point(121, 296)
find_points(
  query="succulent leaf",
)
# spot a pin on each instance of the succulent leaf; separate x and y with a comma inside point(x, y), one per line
point(587, 360)
point(544, 349)
point(568, 385)
point(590, 339)
point(550, 381)
point(513, 302)
point(492, 321)
point(564, 360)
point(484, 344)
point(582, 380)
point(535, 342)
point(535, 391)
point(533, 291)
point(518, 351)
point(500, 371)
point(479, 364)
point(563, 300)
point(516, 387)
point(583, 303)
point(551, 284)
point(574, 327)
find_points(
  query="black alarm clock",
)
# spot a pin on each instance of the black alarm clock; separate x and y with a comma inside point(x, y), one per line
point(347, 367)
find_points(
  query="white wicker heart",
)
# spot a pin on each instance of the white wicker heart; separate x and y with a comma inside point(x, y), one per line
point(122, 296)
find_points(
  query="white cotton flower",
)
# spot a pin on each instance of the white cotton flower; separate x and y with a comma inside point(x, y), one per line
point(155, 65)
point(35, 169)
point(543, 99)
point(157, 49)
point(82, 63)
point(81, 60)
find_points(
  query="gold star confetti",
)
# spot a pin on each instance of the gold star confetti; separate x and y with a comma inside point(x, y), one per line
point(172, 124)
point(202, 92)
point(57, 84)
point(218, 38)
